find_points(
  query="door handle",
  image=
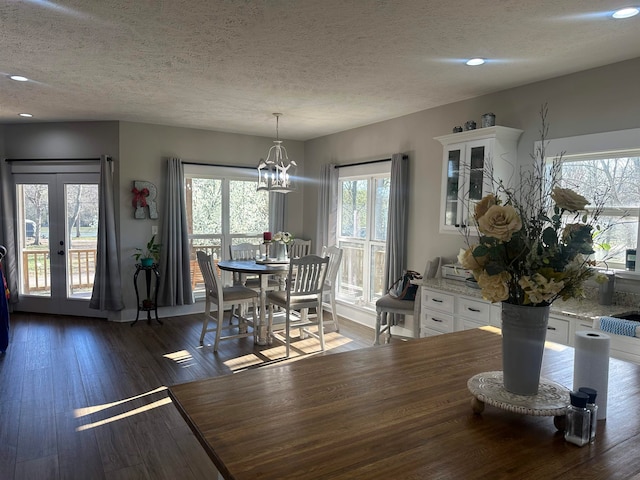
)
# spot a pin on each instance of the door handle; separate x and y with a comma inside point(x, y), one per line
point(60, 252)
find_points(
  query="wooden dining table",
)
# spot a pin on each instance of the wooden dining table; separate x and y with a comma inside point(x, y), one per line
point(263, 270)
point(401, 411)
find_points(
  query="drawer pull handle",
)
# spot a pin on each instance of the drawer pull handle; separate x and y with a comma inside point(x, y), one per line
point(473, 309)
point(437, 300)
point(437, 320)
point(551, 328)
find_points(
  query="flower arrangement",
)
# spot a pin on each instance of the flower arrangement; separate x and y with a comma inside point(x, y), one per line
point(533, 243)
point(283, 237)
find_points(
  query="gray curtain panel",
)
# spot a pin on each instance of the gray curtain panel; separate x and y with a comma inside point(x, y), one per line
point(396, 255)
point(175, 278)
point(107, 283)
point(327, 208)
point(7, 231)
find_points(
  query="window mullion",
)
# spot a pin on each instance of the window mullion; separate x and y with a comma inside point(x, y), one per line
point(226, 228)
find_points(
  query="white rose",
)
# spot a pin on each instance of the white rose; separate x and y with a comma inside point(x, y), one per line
point(569, 200)
point(500, 222)
point(495, 288)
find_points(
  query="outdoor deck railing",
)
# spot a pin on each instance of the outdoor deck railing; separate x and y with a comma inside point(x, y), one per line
point(36, 270)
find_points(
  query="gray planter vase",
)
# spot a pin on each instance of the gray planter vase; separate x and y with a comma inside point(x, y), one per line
point(280, 251)
point(524, 330)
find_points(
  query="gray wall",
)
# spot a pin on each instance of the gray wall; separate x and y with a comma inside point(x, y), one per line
point(599, 100)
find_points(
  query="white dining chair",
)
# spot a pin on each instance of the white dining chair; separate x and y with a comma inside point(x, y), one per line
point(247, 251)
point(330, 284)
point(303, 291)
point(299, 248)
point(224, 298)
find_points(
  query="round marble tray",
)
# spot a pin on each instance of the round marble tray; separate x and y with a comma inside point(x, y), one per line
point(487, 387)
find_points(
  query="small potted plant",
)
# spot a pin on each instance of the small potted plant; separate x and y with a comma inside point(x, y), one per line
point(150, 254)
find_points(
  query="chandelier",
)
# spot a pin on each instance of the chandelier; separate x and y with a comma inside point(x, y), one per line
point(277, 172)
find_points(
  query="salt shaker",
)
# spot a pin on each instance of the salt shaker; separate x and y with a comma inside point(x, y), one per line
point(593, 408)
point(578, 429)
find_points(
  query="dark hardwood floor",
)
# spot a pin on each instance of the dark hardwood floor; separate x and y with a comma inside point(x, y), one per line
point(86, 399)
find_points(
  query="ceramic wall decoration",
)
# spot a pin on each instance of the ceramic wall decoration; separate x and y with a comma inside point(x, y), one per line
point(470, 125)
point(488, 120)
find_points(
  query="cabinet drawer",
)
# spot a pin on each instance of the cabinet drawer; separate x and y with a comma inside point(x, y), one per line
point(434, 320)
point(558, 330)
point(434, 300)
point(475, 310)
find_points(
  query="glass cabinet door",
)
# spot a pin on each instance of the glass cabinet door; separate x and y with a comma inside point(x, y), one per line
point(476, 172)
point(454, 182)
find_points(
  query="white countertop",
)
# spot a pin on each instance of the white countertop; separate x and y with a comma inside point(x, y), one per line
point(586, 308)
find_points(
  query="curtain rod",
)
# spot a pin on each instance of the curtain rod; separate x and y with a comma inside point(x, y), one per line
point(368, 162)
point(218, 165)
point(55, 159)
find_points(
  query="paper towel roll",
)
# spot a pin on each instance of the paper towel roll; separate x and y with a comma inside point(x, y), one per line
point(591, 365)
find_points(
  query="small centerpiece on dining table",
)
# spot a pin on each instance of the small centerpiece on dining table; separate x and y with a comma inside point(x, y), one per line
point(532, 247)
point(282, 240)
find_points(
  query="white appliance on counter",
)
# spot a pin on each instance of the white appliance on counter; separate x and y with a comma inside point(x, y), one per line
point(455, 271)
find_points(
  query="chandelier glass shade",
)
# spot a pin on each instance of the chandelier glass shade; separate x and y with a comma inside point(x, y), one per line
point(277, 172)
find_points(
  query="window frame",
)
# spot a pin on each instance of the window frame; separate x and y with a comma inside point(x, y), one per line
point(370, 172)
point(225, 175)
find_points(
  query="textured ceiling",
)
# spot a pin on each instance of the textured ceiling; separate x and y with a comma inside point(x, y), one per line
point(327, 65)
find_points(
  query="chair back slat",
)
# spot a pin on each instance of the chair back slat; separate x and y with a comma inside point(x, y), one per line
point(307, 275)
point(335, 259)
point(243, 251)
point(299, 248)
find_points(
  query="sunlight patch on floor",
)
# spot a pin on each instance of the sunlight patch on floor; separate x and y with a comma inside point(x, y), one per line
point(278, 352)
point(243, 362)
point(81, 412)
point(156, 404)
point(181, 356)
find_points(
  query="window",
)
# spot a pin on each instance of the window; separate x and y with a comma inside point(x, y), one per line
point(362, 231)
point(617, 179)
point(606, 164)
point(223, 209)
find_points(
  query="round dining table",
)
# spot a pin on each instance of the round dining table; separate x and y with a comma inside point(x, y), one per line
point(263, 269)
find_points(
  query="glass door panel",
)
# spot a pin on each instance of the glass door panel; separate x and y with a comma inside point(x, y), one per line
point(453, 187)
point(476, 173)
point(32, 200)
point(81, 214)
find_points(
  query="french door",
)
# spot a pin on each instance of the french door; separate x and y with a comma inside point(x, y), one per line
point(57, 222)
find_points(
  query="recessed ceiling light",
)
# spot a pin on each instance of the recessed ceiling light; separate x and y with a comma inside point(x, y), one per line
point(626, 13)
point(25, 115)
point(19, 78)
point(476, 61)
